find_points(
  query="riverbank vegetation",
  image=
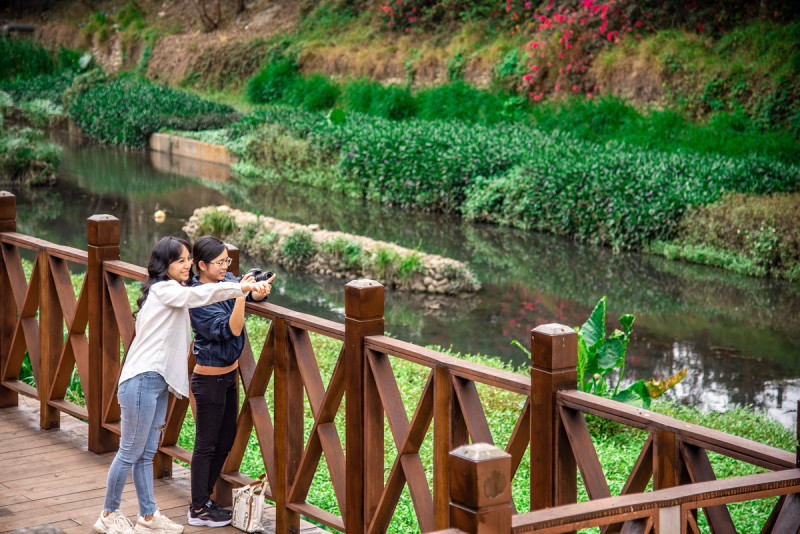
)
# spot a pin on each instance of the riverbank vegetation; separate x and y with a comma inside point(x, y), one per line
point(25, 155)
point(611, 123)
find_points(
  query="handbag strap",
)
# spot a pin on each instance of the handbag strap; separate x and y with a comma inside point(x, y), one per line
point(258, 486)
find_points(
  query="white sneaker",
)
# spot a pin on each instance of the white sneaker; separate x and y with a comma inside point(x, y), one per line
point(113, 523)
point(160, 524)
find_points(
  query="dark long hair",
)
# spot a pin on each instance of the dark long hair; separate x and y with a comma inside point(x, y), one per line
point(167, 250)
point(206, 249)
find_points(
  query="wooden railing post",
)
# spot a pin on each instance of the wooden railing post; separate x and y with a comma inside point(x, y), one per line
point(8, 311)
point(289, 416)
point(667, 464)
point(480, 489)
point(363, 306)
point(103, 244)
point(554, 360)
point(51, 341)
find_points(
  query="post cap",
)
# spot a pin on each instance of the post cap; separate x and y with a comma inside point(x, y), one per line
point(102, 230)
point(363, 299)
point(479, 451)
point(8, 206)
point(480, 476)
point(554, 347)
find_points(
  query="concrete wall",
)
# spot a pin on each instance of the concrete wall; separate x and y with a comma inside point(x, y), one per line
point(189, 148)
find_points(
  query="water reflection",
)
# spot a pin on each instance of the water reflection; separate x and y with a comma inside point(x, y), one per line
point(738, 336)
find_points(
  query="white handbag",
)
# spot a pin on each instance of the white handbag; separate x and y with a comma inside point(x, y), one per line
point(248, 506)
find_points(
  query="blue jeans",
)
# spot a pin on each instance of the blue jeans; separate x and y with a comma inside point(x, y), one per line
point(143, 400)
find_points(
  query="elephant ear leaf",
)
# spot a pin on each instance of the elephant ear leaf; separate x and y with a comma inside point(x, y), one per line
point(611, 354)
point(594, 329)
point(636, 395)
point(656, 388)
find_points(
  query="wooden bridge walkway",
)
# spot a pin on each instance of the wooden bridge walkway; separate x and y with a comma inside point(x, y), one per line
point(49, 478)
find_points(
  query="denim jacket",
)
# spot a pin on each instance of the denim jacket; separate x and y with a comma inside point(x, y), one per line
point(214, 343)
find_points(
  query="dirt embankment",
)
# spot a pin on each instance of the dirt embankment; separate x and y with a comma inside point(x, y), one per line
point(228, 53)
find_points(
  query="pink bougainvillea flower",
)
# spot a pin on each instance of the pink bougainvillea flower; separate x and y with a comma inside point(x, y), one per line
point(589, 95)
point(558, 87)
point(574, 87)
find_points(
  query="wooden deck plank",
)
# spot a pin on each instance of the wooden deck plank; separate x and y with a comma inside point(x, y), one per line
point(49, 478)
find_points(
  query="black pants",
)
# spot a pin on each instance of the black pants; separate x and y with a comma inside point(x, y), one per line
point(217, 403)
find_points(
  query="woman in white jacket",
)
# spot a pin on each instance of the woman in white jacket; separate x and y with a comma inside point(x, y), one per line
point(155, 365)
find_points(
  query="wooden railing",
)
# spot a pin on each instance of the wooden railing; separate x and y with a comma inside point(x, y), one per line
point(36, 313)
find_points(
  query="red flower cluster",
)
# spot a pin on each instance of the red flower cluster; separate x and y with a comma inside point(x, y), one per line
point(397, 15)
point(565, 36)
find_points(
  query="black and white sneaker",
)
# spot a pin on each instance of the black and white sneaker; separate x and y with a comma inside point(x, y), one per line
point(209, 516)
point(215, 506)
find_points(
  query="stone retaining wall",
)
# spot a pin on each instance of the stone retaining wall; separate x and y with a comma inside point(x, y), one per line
point(334, 254)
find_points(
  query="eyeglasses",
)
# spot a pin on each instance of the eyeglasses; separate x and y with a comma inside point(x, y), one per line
point(226, 262)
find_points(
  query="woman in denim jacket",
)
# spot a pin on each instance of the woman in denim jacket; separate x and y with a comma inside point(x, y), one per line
point(155, 365)
point(218, 343)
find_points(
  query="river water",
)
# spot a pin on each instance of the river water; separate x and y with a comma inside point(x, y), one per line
point(739, 337)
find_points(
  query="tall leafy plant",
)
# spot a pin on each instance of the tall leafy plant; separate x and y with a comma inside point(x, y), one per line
point(599, 355)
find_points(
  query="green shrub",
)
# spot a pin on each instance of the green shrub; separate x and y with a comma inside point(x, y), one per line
point(98, 29)
point(315, 93)
point(754, 235)
point(346, 251)
point(127, 110)
point(359, 94)
point(40, 87)
point(383, 263)
point(298, 248)
point(393, 102)
point(5, 102)
point(27, 157)
point(608, 118)
point(217, 223)
point(24, 58)
point(40, 112)
point(461, 101)
point(273, 81)
point(410, 265)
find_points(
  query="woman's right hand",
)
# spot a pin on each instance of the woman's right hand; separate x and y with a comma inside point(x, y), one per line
point(263, 287)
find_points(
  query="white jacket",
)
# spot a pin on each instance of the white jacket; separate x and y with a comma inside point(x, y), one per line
point(163, 330)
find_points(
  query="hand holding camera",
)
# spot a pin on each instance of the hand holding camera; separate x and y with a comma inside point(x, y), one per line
point(257, 282)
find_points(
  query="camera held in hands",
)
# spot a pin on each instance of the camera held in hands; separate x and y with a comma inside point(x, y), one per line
point(258, 275)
